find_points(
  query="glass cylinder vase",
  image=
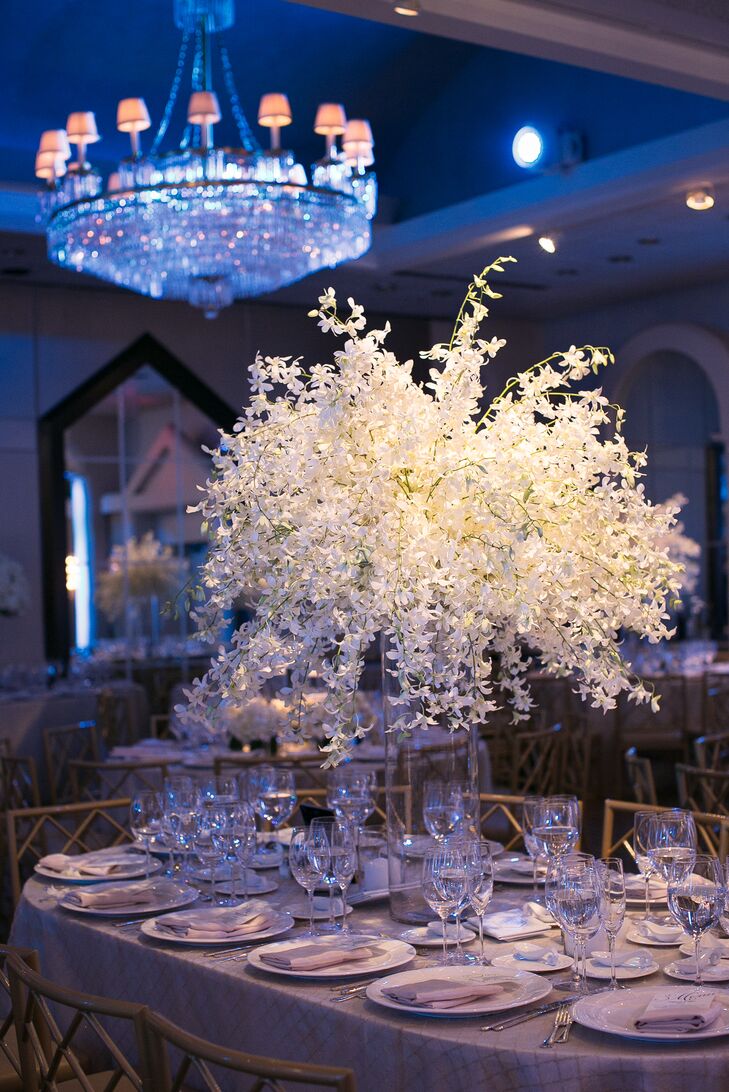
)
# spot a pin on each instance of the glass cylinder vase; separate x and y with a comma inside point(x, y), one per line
point(413, 759)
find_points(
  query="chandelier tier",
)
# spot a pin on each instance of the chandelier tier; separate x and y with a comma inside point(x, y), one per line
point(200, 222)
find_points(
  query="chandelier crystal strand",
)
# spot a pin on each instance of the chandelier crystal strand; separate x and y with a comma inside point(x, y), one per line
point(201, 222)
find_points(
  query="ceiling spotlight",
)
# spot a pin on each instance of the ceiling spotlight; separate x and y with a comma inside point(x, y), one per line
point(407, 7)
point(527, 147)
point(700, 199)
point(548, 243)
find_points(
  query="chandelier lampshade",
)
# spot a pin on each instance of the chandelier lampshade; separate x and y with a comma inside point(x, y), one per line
point(203, 222)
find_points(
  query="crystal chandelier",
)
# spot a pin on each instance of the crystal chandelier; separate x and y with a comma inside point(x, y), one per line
point(202, 222)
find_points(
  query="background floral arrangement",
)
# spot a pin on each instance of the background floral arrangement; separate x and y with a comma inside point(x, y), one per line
point(360, 502)
point(151, 568)
point(14, 590)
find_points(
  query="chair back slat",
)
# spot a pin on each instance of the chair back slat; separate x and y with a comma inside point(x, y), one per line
point(66, 828)
point(703, 790)
point(536, 758)
point(8, 1039)
point(193, 1055)
point(49, 1051)
point(712, 752)
point(18, 783)
point(106, 780)
point(61, 746)
point(639, 770)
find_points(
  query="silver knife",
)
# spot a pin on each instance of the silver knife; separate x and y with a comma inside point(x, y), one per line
point(522, 1017)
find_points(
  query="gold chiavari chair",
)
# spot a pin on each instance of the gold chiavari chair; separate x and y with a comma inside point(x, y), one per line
point(65, 828)
point(639, 771)
point(61, 745)
point(536, 761)
point(712, 830)
point(703, 790)
point(501, 819)
point(107, 780)
point(11, 1079)
point(50, 1019)
point(712, 752)
point(199, 1058)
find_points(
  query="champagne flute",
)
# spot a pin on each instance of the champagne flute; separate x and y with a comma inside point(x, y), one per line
point(145, 821)
point(444, 882)
point(696, 900)
point(531, 844)
point(480, 873)
point(641, 828)
point(303, 871)
point(612, 905)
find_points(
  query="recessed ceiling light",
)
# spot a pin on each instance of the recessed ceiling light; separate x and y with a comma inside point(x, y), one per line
point(700, 199)
point(527, 146)
point(548, 243)
point(408, 8)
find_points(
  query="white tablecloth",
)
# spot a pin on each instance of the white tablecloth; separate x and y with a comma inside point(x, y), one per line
point(240, 1007)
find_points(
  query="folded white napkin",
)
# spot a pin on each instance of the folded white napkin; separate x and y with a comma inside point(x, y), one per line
point(85, 864)
point(315, 957)
point(635, 886)
point(631, 960)
point(536, 953)
point(522, 921)
point(681, 1014)
point(653, 930)
point(216, 923)
point(436, 930)
point(439, 994)
point(120, 895)
point(707, 960)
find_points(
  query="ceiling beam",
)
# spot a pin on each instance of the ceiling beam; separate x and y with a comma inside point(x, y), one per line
point(656, 47)
point(632, 178)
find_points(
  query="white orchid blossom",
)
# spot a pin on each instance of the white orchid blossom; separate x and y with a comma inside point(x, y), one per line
point(478, 542)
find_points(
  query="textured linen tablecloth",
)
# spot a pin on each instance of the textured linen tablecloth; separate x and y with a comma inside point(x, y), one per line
point(237, 1006)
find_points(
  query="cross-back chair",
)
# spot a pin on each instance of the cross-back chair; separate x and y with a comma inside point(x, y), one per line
point(11, 1079)
point(106, 780)
point(65, 744)
point(195, 1060)
point(665, 731)
point(536, 761)
point(115, 719)
point(712, 752)
point(55, 1027)
point(639, 771)
point(65, 828)
point(576, 755)
point(715, 695)
point(704, 790)
point(712, 830)
point(18, 783)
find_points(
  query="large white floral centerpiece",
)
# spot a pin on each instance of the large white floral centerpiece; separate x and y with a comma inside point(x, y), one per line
point(139, 569)
point(474, 535)
point(14, 590)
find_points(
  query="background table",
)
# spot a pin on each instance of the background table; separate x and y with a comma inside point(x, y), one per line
point(240, 1007)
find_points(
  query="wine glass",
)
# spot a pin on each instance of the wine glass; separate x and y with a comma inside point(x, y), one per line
point(180, 798)
point(145, 821)
point(551, 886)
point(344, 861)
point(480, 874)
point(696, 901)
point(275, 795)
point(672, 843)
point(612, 905)
point(303, 871)
point(349, 795)
point(556, 825)
point(212, 842)
point(531, 844)
point(444, 884)
point(320, 857)
point(242, 823)
point(577, 899)
point(220, 790)
point(444, 808)
point(641, 827)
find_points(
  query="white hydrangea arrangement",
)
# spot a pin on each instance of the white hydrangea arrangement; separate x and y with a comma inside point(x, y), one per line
point(475, 536)
point(14, 589)
point(140, 568)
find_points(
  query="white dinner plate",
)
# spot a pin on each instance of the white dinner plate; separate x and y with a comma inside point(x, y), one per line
point(132, 870)
point(393, 953)
point(268, 856)
point(708, 944)
point(511, 963)
point(614, 1012)
point(718, 973)
point(523, 988)
point(168, 895)
point(623, 974)
point(421, 937)
point(281, 924)
point(257, 885)
point(649, 942)
point(503, 874)
point(301, 913)
point(362, 898)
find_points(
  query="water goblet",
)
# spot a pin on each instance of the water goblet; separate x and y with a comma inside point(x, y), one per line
point(444, 883)
point(320, 856)
point(344, 861)
point(444, 809)
point(576, 900)
point(696, 900)
point(480, 873)
point(612, 905)
point(556, 825)
point(303, 871)
point(641, 827)
point(531, 844)
point(145, 821)
point(275, 795)
point(243, 839)
point(212, 842)
point(671, 843)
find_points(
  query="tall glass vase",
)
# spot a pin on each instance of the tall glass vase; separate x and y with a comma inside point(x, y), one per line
point(411, 761)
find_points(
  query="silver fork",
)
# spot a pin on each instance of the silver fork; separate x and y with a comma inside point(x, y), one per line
point(560, 1019)
point(566, 1028)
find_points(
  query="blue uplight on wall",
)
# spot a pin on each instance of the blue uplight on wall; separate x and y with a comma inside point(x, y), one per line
point(78, 565)
point(527, 147)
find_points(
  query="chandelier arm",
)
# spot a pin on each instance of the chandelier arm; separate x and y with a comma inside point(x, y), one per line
point(248, 141)
point(174, 91)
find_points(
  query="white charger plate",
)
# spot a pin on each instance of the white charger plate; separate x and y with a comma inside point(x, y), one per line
point(718, 973)
point(395, 954)
point(511, 963)
point(302, 913)
point(170, 895)
point(650, 942)
point(623, 974)
point(527, 987)
point(614, 1012)
point(421, 937)
point(282, 923)
point(133, 871)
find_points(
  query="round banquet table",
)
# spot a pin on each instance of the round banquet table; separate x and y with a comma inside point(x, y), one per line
point(240, 1007)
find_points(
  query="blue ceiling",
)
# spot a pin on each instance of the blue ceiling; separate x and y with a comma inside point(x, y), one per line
point(443, 111)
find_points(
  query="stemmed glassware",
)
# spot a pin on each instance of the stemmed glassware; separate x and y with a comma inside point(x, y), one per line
point(556, 825)
point(444, 884)
point(612, 905)
point(331, 853)
point(531, 843)
point(350, 795)
point(575, 901)
point(696, 899)
point(444, 809)
point(212, 840)
point(344, 861)
point(242, 839)
point(145, 821)
point(220, 790)
point(641, 828)
point(480, 876)
point(273, 794)
point(181, 799)
point(671, 843)
point(303, 870)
